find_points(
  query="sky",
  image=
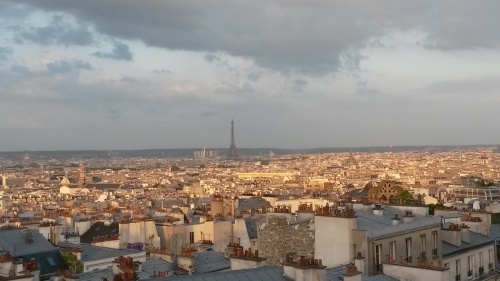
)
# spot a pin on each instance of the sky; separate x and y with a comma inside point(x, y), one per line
point(154, 74)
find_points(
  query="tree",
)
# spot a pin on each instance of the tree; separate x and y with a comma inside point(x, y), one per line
point(405, 194)
point(71, 260)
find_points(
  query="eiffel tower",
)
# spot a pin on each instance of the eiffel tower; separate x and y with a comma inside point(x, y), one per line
point(232, 148)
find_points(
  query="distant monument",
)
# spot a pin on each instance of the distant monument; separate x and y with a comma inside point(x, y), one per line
point(232, 148)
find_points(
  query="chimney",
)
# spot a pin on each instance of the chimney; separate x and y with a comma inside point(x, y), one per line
point(161, 253)
point(352, 273)
point(408, 217)
point(396, 219)
point(452, 235)
point(359, 262)
point(305, 269)
point(464, 233)
point(246, 259)
point(378, 210)
point(185, 259)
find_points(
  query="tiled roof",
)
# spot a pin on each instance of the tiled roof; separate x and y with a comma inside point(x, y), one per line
point(210, 261)
point(476, 240)
point(495, 231)
point(377, 226)
point(92, 253)
point(96, 275)
point(150, 266)
point(254, 274)
point(12, 240)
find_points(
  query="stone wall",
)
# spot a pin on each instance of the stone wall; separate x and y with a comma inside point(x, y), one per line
point(278, 237)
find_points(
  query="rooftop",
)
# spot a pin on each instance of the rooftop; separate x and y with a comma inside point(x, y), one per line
point(476, 240)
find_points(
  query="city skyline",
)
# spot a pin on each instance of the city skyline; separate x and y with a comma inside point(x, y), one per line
point(119, 75)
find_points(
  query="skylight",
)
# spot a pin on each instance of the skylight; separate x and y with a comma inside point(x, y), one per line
point(51, 261)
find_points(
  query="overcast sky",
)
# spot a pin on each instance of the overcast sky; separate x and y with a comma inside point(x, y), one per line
point(127, 74)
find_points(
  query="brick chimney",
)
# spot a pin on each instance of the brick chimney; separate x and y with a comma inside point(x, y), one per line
point(185, 259)
point(126, 266)
point(352, 273)
point(162, 253)
point(304, 269)
point(245, 259)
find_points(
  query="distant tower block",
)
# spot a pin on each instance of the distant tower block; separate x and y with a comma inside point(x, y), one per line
point(232, 149)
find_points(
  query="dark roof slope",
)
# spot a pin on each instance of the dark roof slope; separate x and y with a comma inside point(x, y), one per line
point(48, 262)
point(99, 229)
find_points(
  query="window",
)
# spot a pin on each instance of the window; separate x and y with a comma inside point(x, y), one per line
point(408, 249)
point(434, 243)
point(457, 267)
point(422, 245)
point(191, 237)
point(392, 250)
point(378, 257)
point(470, 265)
point(51, 261)
point(481, 259)
point(490, 259)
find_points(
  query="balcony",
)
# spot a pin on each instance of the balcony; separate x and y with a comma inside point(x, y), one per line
point(434, 253)
point(457, 277)
point(423, 256)
point(469, 273)
point(490, 266)
point(481, 270)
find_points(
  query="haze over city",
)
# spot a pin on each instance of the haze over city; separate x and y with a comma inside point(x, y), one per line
point(292, 74)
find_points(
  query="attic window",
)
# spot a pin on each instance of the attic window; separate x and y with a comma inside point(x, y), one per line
point(51, 261)
point(114, 230)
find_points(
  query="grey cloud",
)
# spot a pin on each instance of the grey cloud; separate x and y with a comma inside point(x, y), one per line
point(121, 51)
point(364, 90)
point(4, 51)
point(211, 57)
point(59, 31)
point(289, 36)
point(209, 114)
point(480, 87)
point(161, 71)
point(83, 65)
point(299, 84)
point(61, 66)
point(129, 80)
point(19, 69)
point(254, 76)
